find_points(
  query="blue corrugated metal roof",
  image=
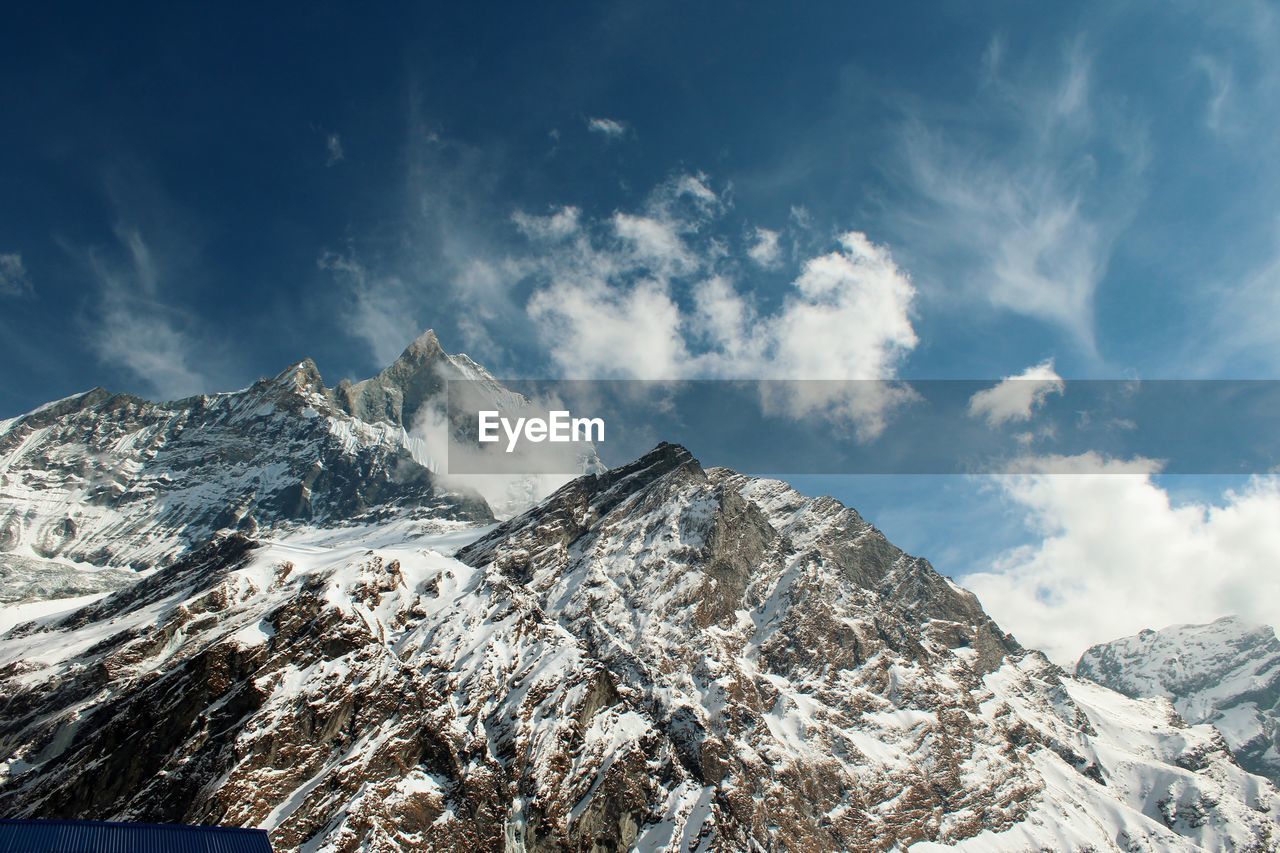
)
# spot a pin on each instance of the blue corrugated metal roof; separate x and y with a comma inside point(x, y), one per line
point(85, 836)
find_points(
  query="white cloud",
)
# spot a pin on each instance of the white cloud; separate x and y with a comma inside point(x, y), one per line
point(1218, 75)
point(655, 243)
point(1017, 397)
point(1239, 326)
point(686, 202)
point(505, 492)
point(1027, 220)
point(849, 317)
point(608, 127)
point(1119, 556)
point(13, 275)
point(598, 330)
point(149, 346)
point(695, 187)
point(562, 223)
point(764, 250)
point(382, 310)
point(1242, 79)
point(649, 296)
point(134, 329)
point(1236, 70)
point(333, 150)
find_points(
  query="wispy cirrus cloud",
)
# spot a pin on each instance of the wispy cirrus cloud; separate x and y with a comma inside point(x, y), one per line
point(1239, 68)
point(1237, 288)
point(334, 153)
point(438, 264)
point(1022, 196)
point(132, 326)
point(1220, 79)
point(13, 275)
point(381, 311)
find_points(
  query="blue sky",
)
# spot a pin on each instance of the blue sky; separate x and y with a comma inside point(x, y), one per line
point(191, 198)
point(1089, 183)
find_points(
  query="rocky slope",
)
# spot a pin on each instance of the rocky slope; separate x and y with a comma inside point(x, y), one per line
point(659, 657)
point(98, 486)
point(1226, 673)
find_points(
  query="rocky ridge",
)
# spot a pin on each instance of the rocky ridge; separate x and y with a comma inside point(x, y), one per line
point(99, 486)
point(658, 657)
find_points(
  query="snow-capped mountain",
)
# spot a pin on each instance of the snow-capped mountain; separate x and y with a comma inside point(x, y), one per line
point(98, 486)
point(1226, 673)
point(657, 657)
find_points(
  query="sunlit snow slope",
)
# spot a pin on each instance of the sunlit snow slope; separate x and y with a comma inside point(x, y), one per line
point(1226, 673)
point(659, 657)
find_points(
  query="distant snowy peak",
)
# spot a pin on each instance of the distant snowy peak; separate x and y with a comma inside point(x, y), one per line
point(1181, 659)
point(417, 379)
point(111, 480)
point(1226, 673)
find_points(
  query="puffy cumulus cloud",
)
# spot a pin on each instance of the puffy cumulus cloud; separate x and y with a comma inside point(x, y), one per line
point(597, 330)
point(849, 314)
point(650, 295)
point(607, 127)
point(1017, 397)
point(765, 250)
point(1118, 555)
point(847, 318)
point(564, 222)
point(13, 275)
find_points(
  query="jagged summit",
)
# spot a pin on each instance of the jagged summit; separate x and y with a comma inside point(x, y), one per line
point(49, 412)
point(740, 525)
point(303, 375)
point(112, 480)
point(424, 347)
point(399, 392)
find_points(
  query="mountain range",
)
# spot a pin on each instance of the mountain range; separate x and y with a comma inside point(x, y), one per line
point(287, 616)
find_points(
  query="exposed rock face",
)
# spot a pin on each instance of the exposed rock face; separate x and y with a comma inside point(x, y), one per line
point(657, 657)
point(399, 394)
point(111, 480)
point(1226, 673)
